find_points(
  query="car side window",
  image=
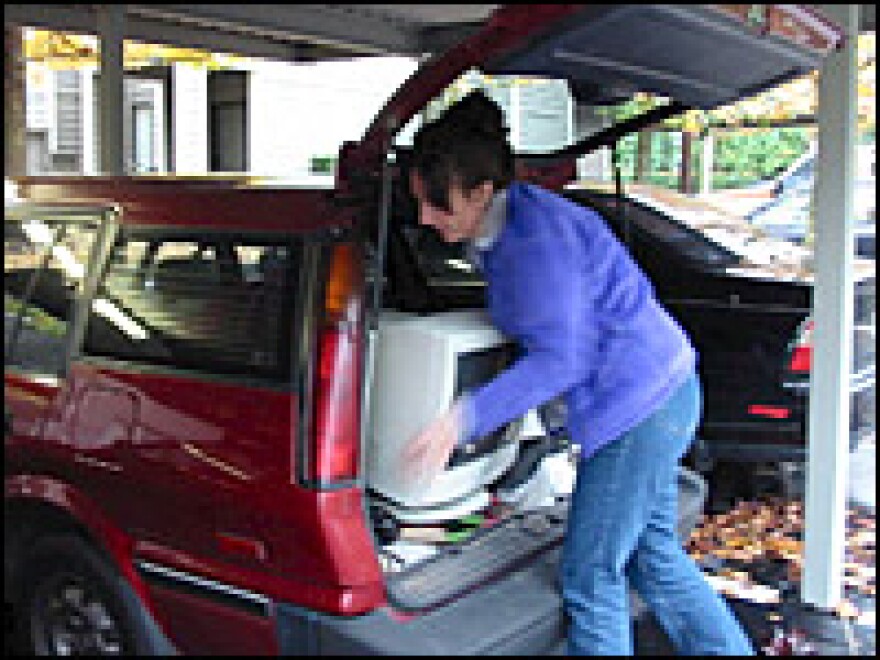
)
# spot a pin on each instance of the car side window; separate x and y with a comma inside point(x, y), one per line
point(214, 303)
point(44, 267)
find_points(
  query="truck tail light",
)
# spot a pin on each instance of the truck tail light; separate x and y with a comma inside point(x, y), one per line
point(333, 452)
point(802, 349)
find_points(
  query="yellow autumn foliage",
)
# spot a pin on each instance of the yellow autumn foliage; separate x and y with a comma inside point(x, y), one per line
point(63, 50)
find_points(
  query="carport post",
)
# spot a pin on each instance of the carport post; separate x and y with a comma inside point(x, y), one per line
point(111, 30)
point(829, 419)
point(14, 131)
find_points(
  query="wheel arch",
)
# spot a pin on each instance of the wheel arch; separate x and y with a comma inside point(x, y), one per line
point(38, 505)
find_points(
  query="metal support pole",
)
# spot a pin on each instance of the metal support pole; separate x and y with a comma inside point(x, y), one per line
point(111, 30)
point(829, 418)
point(15, 145)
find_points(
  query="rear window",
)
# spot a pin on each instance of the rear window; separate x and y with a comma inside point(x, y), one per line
point(217, 304)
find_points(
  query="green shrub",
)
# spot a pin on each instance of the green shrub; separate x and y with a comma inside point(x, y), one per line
point(741, 158)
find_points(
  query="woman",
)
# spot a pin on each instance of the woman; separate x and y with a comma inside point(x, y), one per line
point(562, 286)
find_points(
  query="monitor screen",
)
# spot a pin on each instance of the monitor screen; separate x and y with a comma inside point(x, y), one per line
point(474, 369)
point(479, 367)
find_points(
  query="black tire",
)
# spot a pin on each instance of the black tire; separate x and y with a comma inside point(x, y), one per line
point(73, 602)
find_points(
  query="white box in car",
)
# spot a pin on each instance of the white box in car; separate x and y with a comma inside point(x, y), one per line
point(415, 372)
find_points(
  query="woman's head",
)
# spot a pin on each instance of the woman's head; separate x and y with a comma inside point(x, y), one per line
point(459, 162)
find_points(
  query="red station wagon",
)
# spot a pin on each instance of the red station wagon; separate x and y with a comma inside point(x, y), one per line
point(194, 372)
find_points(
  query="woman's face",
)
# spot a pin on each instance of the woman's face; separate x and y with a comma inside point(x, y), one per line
point(466, 209)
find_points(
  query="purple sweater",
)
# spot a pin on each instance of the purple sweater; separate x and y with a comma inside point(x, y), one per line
point(563, 287)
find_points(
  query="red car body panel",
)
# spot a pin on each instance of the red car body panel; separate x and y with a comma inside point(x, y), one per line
point(181, 203)
point(202, 627)
point(206, 475)
point(198, 474)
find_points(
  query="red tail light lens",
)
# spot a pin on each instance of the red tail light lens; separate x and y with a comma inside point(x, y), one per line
point(801, 359)
point(773, 412)
point(334, 448)
point(802, 350)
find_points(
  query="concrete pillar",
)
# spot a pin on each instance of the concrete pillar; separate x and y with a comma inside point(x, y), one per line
point(14, 100)
point(111, 30)
point(190, 145)
point(829, 412)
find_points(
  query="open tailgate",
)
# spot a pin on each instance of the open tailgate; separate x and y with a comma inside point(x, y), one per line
point(698, 56)
point(702, 56)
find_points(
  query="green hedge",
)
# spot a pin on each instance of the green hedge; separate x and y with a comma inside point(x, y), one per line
point(741, 158)
point(745, 158)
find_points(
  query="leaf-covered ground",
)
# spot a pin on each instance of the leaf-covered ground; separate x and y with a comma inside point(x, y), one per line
point(753, 555)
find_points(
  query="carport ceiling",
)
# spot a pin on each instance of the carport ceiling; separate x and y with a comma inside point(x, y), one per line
point(288, 32)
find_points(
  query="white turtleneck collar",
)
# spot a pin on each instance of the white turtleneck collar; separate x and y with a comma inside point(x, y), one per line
point(493, 221)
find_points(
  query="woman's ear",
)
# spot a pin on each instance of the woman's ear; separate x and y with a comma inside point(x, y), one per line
point(482, 194)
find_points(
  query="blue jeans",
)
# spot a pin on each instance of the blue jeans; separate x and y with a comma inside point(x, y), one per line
point(622, 531)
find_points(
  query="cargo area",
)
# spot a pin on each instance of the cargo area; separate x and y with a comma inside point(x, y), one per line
point(511, 492)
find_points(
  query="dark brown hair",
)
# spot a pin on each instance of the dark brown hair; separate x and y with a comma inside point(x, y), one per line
point(467, 145)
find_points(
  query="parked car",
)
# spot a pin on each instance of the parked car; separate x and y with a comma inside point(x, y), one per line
point(788, 214)
point(188, 369)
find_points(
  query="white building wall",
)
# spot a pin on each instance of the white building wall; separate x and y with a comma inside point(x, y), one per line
point(160, 130)
point(274, 125)
point(40, 97)
point(89, 122)
point(190, 124)
point(301, 111)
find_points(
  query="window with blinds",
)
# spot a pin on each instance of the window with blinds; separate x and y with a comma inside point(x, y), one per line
point(214, 303)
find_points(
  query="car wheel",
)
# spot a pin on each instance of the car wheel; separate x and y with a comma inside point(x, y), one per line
point(74, 603)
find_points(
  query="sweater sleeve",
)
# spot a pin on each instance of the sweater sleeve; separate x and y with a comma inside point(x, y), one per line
point(554, 304)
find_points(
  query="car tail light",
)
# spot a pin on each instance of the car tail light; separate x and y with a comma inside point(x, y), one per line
point(802, 349)
point(773, 412)
point(334, 448)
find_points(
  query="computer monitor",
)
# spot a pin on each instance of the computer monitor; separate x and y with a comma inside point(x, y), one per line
point(422, 363)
